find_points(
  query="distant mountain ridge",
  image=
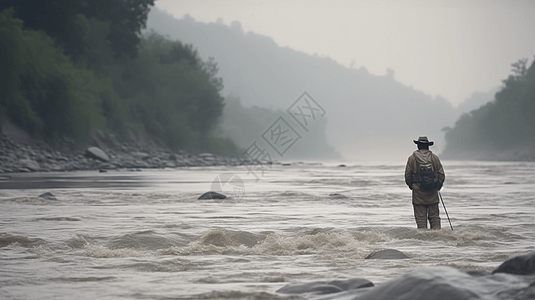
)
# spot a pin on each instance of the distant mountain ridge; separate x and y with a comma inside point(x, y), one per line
point(368, 116)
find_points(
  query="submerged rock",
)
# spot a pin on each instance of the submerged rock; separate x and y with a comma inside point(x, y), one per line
point(387, 254)
point(211, 195)
point(337, 196)
point(48, 196)
point(325, 287)
point(319, 287)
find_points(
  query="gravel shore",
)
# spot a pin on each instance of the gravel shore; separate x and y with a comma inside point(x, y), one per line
point(66, 156)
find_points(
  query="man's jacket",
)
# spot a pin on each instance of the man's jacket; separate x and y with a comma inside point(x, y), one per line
point(418, 158)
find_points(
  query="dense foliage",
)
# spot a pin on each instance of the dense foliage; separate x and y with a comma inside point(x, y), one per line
point(505, 124)
point(42, 90)
point(70, 67)
point(61, 19)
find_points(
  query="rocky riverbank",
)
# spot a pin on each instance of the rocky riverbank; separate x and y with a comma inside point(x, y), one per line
point(514, 279)
point(66, 156)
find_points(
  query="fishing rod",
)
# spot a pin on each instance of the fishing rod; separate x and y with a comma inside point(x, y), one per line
point(445, 209)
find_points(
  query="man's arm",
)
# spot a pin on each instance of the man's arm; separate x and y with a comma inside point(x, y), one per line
point(409, 172)
point(441, 176)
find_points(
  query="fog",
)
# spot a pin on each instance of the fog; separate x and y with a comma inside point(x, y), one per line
point(450, 48)
point(367, 116)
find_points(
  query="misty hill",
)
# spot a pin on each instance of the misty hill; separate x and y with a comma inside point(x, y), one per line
point(476, 100)
point(368, 116)
point(503, 128)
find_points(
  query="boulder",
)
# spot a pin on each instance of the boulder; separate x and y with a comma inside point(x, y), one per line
point(352, 284)
point(318, 287)
point(325, 287)
point(446, 283)
point(169, 164)
point(96, 153)
point(387, 254)
point(211, 195)
point(141, 155)
point(29, 164)
point(141, 164)
point(56, 167)
point(519, 265)
point(108, 166)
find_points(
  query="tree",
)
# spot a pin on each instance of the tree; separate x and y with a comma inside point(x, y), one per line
point(10, 49)
point(59, 19)
point(174, 94)
point(127, 18)
point(505, 124)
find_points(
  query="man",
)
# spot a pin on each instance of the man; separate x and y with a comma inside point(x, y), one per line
point(425, 193)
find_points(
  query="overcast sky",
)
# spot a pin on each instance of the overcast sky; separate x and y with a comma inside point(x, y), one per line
point(449, 48)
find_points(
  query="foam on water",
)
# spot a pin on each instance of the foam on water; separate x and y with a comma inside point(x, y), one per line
point(104, 252)
point(316, 241)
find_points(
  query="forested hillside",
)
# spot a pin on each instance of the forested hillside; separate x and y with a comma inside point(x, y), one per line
point(70, 67)
point(502, 129)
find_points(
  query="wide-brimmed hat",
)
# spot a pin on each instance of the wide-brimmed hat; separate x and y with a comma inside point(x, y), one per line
point(423, 141)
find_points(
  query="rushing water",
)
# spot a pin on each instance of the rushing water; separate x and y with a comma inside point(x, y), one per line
point(144, 235)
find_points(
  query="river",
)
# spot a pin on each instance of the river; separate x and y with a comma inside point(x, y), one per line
point(144, 235)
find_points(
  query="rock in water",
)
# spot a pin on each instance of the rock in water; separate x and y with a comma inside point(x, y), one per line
point(519, 265)
point(319, 287)
point(510, 281)
point(211, 195)
point(337, 196)
point(446, 283)
point(325, 287)
point(352, 284)
point(48, 196)
point(96, 153)
point(387, 254)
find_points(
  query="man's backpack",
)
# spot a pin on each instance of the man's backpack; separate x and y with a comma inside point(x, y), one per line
point(427, 177)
